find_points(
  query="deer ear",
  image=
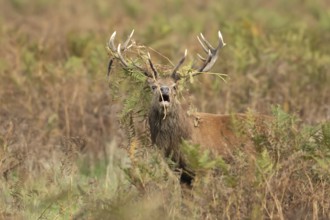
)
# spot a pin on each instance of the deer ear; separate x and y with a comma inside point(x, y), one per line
point(150, 80)
point(176, 76)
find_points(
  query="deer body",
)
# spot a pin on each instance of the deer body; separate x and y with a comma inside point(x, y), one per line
point(213, 132)
point(170, 124)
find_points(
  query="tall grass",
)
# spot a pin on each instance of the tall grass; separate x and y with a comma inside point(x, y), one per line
point(64, 154)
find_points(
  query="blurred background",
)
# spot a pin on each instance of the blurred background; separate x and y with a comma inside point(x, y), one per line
point(53, 63)
point(53, 59)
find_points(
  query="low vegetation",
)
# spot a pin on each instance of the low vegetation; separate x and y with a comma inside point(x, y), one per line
point(69, 147)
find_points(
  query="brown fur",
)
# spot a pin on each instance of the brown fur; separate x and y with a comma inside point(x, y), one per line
point(215, 132)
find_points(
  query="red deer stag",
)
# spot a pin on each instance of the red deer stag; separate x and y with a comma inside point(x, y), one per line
point(170, 124)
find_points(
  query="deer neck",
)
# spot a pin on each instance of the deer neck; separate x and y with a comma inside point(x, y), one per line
point(167, 131)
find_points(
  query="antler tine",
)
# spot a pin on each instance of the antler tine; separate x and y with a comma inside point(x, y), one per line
point(111, 43)
point(200, 57)
point(121, 58)
point(201, 43)
point(221, 42)
point(204, 42)
point(109, 66)
point(125, 45)
point(152, 67)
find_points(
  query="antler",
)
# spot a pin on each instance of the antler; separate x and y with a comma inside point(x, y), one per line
point(208, 63)
point(116, 51)
point(155, 73)
point(175, 74)
point(212, 53)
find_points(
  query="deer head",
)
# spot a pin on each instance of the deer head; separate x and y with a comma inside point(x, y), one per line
point(164, 88)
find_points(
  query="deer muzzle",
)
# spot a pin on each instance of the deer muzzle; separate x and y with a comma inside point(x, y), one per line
point(164, 97)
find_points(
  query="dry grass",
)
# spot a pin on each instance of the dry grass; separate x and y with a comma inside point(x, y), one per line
point(63, 153)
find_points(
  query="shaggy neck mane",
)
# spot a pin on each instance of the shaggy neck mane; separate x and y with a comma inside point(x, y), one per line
point(167, 133)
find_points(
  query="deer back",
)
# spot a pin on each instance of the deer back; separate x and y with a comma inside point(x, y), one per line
point(223, 134)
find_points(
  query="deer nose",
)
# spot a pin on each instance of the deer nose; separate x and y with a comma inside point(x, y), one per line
point(165, 90)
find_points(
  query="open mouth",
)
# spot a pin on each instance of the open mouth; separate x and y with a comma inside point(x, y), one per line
point(165, 98)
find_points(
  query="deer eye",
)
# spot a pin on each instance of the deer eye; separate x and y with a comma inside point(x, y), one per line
point(174, 87)
point(154, 87)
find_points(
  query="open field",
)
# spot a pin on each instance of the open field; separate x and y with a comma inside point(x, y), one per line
point(64, 154)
